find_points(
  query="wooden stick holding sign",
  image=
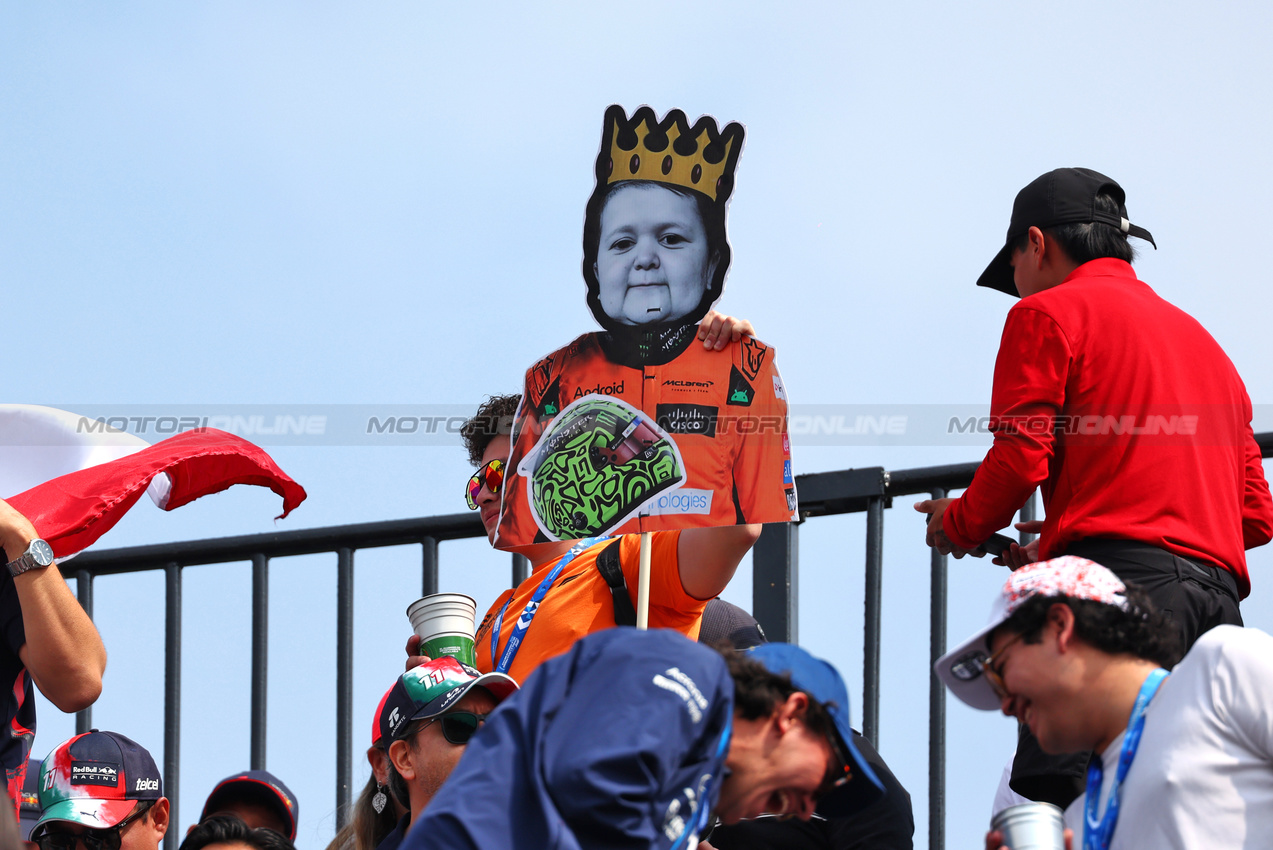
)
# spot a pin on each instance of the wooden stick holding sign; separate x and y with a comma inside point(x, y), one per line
point(643, 584)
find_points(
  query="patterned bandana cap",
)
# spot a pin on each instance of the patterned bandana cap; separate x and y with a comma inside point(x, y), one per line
point(1064, 576)
point(961, 668)
point(96, 780)
point(431, 689)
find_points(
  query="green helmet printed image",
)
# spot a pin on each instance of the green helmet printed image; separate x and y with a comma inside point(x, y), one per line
point(596, 465)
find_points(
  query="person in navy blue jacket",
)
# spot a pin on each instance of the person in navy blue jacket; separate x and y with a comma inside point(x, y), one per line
point(639, 739)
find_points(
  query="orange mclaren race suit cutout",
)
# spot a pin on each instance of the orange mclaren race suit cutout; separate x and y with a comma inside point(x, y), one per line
point(725, 410)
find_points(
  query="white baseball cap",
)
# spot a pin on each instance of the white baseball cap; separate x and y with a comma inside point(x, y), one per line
point(961, 668)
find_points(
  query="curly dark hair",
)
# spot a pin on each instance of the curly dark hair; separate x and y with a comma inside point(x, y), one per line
point(228, 829)
point(1142, 630)
point(758, 692)
point(493, 418)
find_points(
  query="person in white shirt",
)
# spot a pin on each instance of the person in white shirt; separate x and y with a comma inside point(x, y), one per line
point(1082, 659)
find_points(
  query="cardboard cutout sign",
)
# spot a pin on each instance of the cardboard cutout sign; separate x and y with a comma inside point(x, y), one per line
point(638, 428)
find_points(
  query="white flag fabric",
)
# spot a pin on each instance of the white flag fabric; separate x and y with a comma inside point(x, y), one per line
point(40, 443)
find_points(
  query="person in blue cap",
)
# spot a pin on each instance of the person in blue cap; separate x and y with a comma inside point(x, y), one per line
point(645, 739)
point(888, 824)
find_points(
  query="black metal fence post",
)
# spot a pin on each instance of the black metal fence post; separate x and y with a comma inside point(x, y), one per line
point(344, 682)
point(260, 657)
point(428, 566)
point(1029, 511)
point(84, 592)
point(775, 565)
point(871, 620)
point(936, 698)
point(521, 569)
point(172, 699)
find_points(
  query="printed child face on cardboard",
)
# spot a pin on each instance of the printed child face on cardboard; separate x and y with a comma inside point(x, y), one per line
point(653, 260)
point(655, 249)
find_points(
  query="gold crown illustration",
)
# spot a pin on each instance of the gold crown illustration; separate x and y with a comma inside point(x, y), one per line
point(669, 151)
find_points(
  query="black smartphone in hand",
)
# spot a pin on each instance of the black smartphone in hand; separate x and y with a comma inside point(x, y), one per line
point(997, 544)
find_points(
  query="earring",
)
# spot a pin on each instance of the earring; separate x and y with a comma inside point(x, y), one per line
point(379, 801)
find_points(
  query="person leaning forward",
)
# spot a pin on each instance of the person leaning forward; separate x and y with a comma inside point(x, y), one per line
point(887, 824)
point(1126, 413)
point(1184, 760)
point(637, 738)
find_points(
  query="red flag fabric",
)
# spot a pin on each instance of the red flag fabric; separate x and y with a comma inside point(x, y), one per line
point(74, 510)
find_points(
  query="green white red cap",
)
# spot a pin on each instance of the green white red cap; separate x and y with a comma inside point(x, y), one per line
point(431, 689)
point(96, 780)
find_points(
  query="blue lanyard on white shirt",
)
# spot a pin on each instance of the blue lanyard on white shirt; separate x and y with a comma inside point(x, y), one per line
point(532, 607)
point(1098, 831)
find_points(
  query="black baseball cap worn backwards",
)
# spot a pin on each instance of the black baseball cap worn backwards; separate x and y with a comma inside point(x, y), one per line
point(1063, 196)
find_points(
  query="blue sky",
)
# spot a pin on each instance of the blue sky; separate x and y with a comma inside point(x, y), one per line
point(381, 204)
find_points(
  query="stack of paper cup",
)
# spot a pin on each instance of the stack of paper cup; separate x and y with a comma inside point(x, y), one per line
point(1031, 826)
point(444, 622)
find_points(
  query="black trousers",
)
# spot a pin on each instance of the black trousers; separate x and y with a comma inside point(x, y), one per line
point(1197, 596)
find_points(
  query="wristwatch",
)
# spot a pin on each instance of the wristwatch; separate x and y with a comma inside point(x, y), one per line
point(37, 556)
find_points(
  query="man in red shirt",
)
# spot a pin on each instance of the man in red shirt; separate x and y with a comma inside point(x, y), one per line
point(1126, 413)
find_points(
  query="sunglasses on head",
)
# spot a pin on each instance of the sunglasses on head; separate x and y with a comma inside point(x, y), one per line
point(53, 838)
point(458, 726)
point(490, 476)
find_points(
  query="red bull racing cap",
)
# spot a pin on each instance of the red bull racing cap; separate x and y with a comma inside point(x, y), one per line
point(96, 779)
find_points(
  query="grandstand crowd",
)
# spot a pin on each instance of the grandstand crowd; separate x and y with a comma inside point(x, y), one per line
point(1116, 640)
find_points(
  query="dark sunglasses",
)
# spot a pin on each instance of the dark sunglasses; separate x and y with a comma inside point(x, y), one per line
point(94, 839)
point(457, 727)
point(838, 772)
point(490, 476)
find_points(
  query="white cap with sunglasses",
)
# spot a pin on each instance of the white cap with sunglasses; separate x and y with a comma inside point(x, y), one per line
point(967, 669)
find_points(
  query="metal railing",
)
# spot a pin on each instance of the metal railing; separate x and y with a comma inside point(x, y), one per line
point(774, 595)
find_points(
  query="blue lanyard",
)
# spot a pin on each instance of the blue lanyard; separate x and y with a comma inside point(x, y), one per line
point(532, 608)
point(1100, 830)
point(704, 816)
